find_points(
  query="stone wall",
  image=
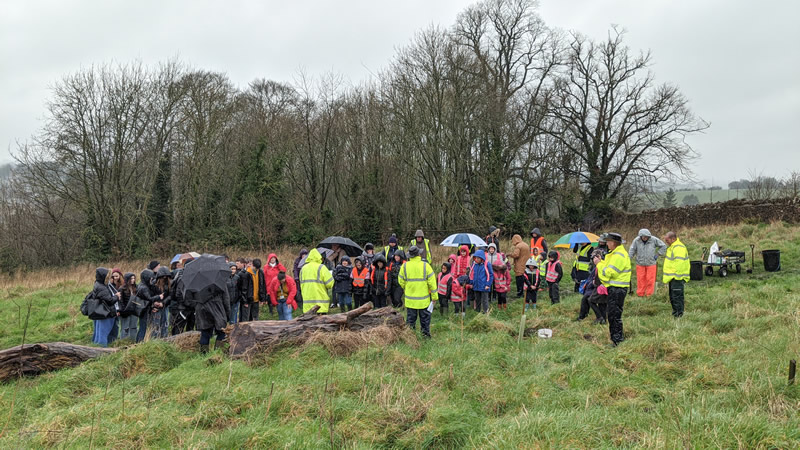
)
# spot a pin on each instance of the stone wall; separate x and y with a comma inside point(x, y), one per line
point(721, 213)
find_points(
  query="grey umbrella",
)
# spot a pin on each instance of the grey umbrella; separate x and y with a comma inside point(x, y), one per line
point(350, 247)
point(203, 274)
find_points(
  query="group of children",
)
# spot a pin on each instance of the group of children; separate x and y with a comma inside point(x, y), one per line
point(370, 279)
point(471, 277)
point(542, 273)
point(485, 276)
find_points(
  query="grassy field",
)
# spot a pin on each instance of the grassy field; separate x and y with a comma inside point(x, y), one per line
point(655, 201)
point(715, 378)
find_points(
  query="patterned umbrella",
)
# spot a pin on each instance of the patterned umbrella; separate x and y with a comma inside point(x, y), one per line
point(578, 237)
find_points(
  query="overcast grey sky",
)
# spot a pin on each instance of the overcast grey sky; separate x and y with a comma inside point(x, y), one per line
point(737, 61)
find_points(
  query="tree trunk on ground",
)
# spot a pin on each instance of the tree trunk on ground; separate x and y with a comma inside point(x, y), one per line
point(33, 359)
point(244, 337)
point(247, 337)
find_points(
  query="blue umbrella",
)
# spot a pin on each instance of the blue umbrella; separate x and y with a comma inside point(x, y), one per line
point(458, 239)
point(176, 258)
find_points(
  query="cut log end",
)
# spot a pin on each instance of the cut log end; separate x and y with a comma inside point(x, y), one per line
point(31, 360)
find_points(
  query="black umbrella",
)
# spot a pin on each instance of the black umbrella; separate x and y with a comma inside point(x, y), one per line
point(202, 274)
point(350, 247)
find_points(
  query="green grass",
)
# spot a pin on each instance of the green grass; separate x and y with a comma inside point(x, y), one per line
point(715, 378)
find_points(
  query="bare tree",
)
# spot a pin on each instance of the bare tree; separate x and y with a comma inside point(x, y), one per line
point(790, 186)
point(761, 187)
point(614, 119)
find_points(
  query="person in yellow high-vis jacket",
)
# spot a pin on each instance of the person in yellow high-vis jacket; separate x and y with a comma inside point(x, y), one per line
point(614, 271)
point(419, 290)
point(676, 271)
point(315, 283)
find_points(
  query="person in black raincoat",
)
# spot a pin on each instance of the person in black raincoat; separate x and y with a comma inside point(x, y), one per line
point(147, 292)
point(233, 291)
point(395, 290)
point(181, 315)
point(212, 311)
point(379, 281)
point(101, 292)
point(158, 311)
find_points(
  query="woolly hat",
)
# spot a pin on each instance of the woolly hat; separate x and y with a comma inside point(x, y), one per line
point(393, 240)
point(413, 252)
point(419, 233)
point(153, 264)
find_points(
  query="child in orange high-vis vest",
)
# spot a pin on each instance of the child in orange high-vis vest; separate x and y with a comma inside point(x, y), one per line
point(360, 277)
point(445, 288)
point(553, 274)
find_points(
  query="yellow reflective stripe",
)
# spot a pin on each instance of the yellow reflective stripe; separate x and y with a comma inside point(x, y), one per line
point(316, 301)
point(417, 298)
point(676, 274)
point(617, 283)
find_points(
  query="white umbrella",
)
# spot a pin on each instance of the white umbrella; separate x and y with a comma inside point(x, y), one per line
point(458, 239)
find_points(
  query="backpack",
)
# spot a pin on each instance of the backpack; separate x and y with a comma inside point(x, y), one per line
point(85, 303)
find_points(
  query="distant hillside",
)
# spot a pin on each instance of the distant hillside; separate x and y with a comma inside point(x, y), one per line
point(5, 170)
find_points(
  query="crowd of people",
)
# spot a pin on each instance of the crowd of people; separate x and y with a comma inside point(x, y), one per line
point(397, 276)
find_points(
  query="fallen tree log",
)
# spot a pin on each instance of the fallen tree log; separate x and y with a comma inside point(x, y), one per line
point(246, 338)
point(33, 359)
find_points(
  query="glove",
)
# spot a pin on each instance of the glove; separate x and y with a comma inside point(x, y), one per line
point(602, 290)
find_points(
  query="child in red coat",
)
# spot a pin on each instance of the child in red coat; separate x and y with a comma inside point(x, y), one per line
point(502, 283)
point(282, 291)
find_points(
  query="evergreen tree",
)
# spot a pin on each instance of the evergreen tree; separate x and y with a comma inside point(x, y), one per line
point(669, 199)
point(160, 210)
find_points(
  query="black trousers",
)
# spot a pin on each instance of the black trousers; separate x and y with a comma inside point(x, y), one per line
point(358, 300)
point(616, 302)
point(378, 301)
point(676, 297)
point(205, 335)
point(181, 320)
point(444, 304)
point(424, 320)
point(520, 279)
point(501, 297)
point(397, 297)
point(298, 297)
point(599, 309)
point(249, 312)
point(555, 292)
point(530, 296)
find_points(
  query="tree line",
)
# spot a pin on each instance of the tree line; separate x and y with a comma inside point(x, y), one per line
point(497, 119)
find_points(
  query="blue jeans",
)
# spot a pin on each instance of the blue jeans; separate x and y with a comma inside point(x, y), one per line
point(102, 330)
point(344, 298)
point(142, 325)
point(235, 312)
point(284, 311)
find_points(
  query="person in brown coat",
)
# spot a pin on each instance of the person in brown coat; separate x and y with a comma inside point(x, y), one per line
point(520, 252)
